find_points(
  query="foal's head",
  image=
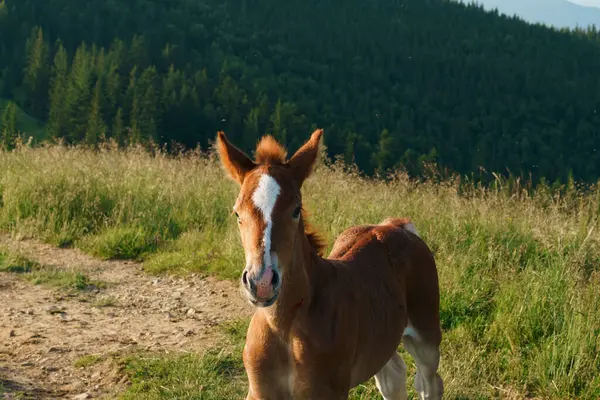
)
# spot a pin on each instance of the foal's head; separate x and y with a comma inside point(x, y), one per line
point(269, 210)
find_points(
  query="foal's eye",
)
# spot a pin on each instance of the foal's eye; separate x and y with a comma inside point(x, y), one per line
point(297, 212)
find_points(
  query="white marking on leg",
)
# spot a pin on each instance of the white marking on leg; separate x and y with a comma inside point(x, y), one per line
point(391, 379)
point(411, 228)
point(264, 198)
point(410, 331)
point(428, 383)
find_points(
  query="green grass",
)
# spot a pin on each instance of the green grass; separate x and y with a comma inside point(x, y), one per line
point(87, 361)
point(106, 301)
point(11, 261)
point(120, 243)
point(519, 271)
point(218, 374)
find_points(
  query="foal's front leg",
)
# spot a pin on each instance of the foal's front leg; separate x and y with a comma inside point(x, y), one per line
point(322, 380)
point(325, 393)
point(267, 363)
point(266, 384)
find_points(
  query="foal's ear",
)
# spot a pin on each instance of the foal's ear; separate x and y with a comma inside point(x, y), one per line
point(236, 163)
point(303, 161)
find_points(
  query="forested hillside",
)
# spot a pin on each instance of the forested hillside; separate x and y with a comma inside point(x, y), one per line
point(392, 81)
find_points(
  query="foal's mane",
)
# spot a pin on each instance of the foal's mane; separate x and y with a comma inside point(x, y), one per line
point(316, 240)
point(270, 151)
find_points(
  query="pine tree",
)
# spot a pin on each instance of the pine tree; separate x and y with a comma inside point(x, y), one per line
point(101, 63)
point(170, 83)
point(349, 148)
point(134, 136)
point(383, 157)
point(96, 129)
point(265, 110)
point(8, 126)
point(229, 98)
point(203, 84)
point(118, 129)
point(36, 70)
point(131, 108)
point(252, 127)
point(143, 97)
point(112, 84)
point(137, 51)
point(147, 101)
point(78, 94)
point(287, 125)
point(278, 124)
point(58, 85)
point(117, 53)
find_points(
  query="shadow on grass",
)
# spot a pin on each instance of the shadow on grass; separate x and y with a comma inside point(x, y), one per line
point(39, 274)
point(10, 388)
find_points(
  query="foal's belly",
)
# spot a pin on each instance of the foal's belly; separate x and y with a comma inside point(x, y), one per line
point(369, 364)
point(378, 345)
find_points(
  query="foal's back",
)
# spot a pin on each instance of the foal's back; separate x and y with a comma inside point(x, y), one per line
point(394, 275)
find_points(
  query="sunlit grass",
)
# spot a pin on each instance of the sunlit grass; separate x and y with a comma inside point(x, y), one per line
point(519, 271)
point(87, 361)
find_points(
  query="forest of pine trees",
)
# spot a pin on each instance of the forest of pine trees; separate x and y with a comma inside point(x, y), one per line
point(393, 82)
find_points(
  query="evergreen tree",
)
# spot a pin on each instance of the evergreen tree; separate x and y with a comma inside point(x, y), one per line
point(8, 126)
point(278, 122)
point(252, 127)
point(113, 85)
point(96, 129)
point(130, 109)
point(77, 98)
point(57, 117)
point(137, 51)
point(349, 148)
point(134, 135)
point(36, 70)
point(229, 99)
point(384, 158)
point(147, 102)
point(118, 129)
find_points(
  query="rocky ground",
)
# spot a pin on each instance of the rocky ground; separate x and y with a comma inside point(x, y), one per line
point(47, 334)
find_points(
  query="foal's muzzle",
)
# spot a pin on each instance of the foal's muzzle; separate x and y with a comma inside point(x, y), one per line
point(261, 285)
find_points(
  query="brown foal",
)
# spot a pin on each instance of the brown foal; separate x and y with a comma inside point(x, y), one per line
point(324, 325)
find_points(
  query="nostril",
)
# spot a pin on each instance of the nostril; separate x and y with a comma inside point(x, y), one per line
point(275, 279)
point(245, 278)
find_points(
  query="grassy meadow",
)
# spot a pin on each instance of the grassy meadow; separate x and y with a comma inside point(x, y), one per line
point(519, 271)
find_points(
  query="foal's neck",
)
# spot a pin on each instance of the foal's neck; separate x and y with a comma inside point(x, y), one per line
point(295, 292)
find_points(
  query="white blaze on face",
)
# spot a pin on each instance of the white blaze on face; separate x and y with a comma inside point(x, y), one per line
point(264, 198)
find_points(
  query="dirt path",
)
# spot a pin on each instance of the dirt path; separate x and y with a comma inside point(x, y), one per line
point(44, 331)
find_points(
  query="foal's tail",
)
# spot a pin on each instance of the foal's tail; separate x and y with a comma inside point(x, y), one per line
point(403, 223)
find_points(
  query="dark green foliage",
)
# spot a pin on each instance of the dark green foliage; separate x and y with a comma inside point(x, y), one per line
point(394, 83)
point(8, 126)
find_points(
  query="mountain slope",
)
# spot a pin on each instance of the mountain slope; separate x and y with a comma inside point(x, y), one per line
point(558, 13)
point(393, 82)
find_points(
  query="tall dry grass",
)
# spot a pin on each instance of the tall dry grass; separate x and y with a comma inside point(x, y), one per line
point(519, 269)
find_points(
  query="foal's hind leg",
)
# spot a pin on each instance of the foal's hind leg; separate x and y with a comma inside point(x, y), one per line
point(391, 380)
point(428, 383)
